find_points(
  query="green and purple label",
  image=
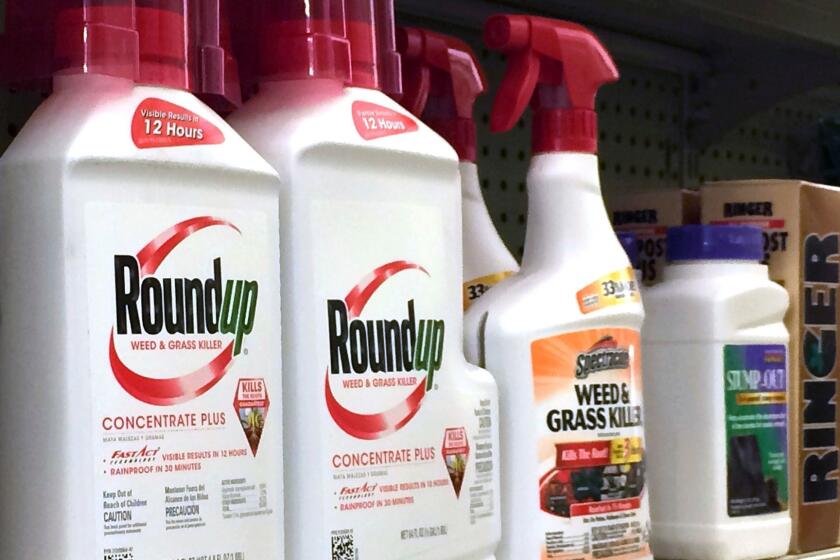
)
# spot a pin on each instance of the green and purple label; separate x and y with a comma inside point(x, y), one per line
point(755, 387)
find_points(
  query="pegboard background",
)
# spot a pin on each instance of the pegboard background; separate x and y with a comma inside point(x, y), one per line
point(643, 141)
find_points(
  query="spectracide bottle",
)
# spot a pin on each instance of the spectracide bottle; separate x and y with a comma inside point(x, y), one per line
point(715, 348)
point(442, 79)
point(391, 436)
point(139, 315)
point(562, 336)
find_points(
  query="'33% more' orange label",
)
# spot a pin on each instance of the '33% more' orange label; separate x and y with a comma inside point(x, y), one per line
point(616, 288)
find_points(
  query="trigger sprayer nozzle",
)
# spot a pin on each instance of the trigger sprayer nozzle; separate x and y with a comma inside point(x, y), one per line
point(557, 67)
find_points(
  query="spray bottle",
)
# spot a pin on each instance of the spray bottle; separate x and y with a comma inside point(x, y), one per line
point(442, 79)
point(139, 316)
point(562, 336)
point(391, 435)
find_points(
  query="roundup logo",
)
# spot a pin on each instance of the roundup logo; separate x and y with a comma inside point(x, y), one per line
point(380, 354)
point(603, 356)
point(150, 305)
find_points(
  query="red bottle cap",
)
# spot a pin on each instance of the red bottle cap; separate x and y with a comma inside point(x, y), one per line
point(27, 45)
point(245, 40)
point(164, 40)
point(216, 70)
point(389, 62)
point(361, 32)
point(172, 43)
point(442, 80)
point(96, 37)
point(558, 67)
point(374, 57)
point(301, 39)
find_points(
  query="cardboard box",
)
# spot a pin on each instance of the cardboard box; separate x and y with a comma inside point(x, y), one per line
point(648, 215)
point(801, 224)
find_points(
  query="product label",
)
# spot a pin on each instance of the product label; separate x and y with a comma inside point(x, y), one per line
point(756, 428)
point(411, 461)
point(477, 287)
point(616, 288)
point(588, 395)
point(375, 121)
point(161, 124)
point(818, 371)
point(184, 363)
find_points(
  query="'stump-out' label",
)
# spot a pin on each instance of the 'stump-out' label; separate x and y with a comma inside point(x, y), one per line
point(182, 375)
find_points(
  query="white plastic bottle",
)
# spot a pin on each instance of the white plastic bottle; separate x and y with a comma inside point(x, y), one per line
point(442, 79)
point(562, 336)
point(715, 348)
point(139, 310)
point(390, 454)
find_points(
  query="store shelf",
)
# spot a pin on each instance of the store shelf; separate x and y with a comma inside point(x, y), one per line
point(693, 24)
point(733, 54)
point(825, 555)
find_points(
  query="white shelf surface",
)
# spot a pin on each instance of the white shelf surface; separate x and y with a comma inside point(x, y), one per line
point(832, 554)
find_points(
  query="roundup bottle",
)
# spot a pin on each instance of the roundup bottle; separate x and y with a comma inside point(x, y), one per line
point(715, 348)
point(442, 79)
point(563, 334)
point(391, 436)
point(139, 315)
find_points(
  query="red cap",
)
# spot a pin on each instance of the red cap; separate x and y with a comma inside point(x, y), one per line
point(361, 31)
point(164, 40)
point(26, 47)
point(245, 39)
point(442, 80)
point(374, 57)
point(216, 70)
point(558, 67)
point(173, 43)
point(301, 39)
point(96, 37)
point(388, 60)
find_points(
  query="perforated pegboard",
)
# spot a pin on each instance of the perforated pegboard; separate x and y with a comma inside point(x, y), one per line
point(643, 141)
point(643, 120)
point(640, 122)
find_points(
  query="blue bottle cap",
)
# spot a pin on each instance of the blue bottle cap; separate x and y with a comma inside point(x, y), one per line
point(715, 243)
point(630, 243)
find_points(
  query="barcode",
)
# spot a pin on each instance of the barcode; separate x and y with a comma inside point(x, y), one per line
point(119, 556)
point(343, 547)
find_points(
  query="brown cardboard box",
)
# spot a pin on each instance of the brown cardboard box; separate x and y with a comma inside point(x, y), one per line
point(801, 224)
point(648, 215)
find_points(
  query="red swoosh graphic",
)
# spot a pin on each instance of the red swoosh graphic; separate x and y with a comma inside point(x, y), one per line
point(358, 297)
point(375, 426)
point(152, 255)
point(173, 390)
point(167, 391)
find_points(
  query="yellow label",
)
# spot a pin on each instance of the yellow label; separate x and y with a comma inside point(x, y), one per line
point(627, 450)
point(761, 398)
point(476, 288)
point(616, 288)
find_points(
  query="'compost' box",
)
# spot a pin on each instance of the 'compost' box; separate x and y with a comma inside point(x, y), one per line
point(648, 215)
